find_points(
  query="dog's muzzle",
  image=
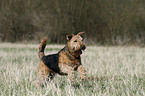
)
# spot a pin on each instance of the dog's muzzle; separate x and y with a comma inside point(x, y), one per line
point(79, 52)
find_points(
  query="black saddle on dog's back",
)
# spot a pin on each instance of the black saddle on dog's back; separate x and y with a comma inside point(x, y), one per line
point(52, 62)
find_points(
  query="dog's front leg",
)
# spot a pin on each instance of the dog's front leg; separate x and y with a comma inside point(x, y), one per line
point(69, 70)
point(71, 75)
point(82, 72)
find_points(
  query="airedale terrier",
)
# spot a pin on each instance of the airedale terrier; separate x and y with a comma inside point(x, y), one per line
point(65, 62)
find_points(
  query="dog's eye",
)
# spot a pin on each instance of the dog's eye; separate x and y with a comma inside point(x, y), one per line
point(75, 41)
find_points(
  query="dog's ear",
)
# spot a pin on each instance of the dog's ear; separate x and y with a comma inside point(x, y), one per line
point(69, 36)
point(80, 33)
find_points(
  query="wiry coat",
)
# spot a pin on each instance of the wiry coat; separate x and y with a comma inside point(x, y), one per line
point(65, 62)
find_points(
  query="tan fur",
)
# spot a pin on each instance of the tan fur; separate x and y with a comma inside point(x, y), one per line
point(43, 43)
point(69, 59)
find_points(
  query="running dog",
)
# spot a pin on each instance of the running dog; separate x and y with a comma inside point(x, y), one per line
point(65, 62)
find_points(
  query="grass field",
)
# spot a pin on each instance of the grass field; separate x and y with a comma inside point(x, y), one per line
point(113, 71)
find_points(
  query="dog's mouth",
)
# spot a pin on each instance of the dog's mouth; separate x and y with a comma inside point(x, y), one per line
point(79, 52)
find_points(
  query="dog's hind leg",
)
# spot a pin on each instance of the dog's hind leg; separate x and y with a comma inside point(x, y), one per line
point(44, 74)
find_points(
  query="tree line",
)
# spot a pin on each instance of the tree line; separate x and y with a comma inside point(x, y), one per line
point(115, 22)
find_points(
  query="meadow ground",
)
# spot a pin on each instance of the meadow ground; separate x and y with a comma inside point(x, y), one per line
point(113, 71)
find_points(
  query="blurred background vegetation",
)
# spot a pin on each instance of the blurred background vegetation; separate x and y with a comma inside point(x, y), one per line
point(111, 22)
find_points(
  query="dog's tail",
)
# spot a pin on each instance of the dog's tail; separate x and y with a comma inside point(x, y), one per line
point(42, 47)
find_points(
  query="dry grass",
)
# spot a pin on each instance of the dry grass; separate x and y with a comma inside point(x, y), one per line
point(110, 71)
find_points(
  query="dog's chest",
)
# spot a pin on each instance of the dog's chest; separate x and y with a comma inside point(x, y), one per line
point(73, 63)
point(65, 59)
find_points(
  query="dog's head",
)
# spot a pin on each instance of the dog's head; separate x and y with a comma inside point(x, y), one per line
point(75, 44)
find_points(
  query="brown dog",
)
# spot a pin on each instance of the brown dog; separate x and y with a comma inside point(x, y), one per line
point(65, 62)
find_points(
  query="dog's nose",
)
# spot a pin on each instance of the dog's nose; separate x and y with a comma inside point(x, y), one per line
point(83, 47)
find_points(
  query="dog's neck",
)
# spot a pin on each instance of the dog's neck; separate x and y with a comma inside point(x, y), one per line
point(69, 54)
